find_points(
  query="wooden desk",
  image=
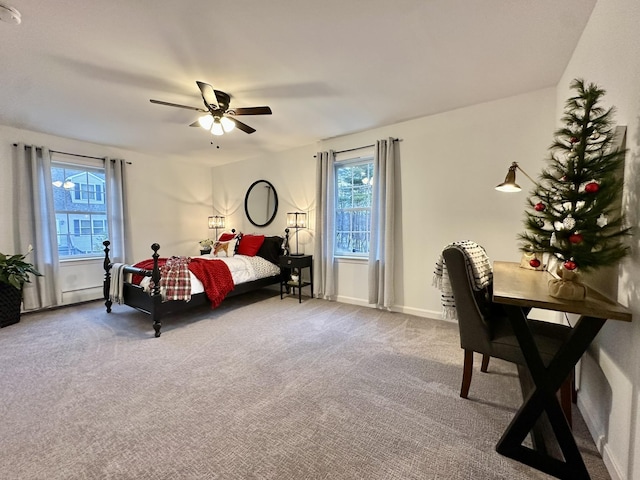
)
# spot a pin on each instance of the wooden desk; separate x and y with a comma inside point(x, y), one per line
point(518, 288)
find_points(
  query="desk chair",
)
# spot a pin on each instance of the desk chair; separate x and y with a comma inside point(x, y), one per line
point(485, 328)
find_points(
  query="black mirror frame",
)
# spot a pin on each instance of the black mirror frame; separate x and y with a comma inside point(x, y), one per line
point(275, 204)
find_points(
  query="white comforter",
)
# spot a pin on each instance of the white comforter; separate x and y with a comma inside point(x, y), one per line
point(243, 269)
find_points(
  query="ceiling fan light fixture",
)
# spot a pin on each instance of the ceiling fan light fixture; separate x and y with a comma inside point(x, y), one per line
point(227, 124)
point(216, 127)
point(206, 121)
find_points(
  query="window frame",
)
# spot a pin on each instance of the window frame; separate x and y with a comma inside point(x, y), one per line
point(67, 218)
point(345, 160)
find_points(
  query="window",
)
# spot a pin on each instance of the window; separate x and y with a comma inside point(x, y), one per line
point(354, 180)
point(80, 208)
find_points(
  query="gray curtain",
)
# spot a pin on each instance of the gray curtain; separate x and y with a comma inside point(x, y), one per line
point(116, 209)
point(324, 280)
point(35, 224)
point(382, 226)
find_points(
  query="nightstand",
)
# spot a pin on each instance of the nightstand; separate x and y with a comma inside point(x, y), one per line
point(293, 264)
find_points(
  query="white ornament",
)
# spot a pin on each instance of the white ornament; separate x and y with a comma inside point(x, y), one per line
point(552, 240)
point(602, 221)
point(569, 222)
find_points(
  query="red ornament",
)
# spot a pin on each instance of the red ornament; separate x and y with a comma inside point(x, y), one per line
point(534, 262)
point(570, 265)
point(539, 207)
point(592, 187)
point(574, 140)
point(575, 238)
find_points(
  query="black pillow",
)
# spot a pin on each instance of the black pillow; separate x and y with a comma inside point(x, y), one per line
point(271, 249)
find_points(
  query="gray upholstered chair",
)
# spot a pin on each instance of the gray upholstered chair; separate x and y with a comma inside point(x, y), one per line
point(485, 328)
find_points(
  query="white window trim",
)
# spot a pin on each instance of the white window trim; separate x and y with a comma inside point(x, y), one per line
point(362, 155)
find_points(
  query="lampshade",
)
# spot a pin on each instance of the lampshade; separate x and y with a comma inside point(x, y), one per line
point(216, 127)
point(216, 222)
point(297, 220)
point(509, 184)
point(227, 124)
point(206, 121)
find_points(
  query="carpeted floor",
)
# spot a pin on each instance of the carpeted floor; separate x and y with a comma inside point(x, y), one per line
point(260, 388)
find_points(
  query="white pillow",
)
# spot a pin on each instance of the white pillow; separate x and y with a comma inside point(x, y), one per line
point(224, 249)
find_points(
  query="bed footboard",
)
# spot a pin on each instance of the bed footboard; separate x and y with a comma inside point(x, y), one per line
point(147, 302)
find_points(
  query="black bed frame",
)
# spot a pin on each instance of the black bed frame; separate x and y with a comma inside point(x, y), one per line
point(152, 304)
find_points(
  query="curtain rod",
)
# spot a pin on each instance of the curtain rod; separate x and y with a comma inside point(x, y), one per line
point(76, 155)
point(360, 148)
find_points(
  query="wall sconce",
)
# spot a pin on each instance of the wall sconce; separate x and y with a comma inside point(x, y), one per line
point(216, 222)
point(509, 184)
point(297, 220)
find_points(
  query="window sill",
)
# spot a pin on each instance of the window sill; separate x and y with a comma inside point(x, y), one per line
point(347, 259)
point(81, 260)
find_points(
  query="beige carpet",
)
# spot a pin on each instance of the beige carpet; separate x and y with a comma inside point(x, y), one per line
point(260, 388)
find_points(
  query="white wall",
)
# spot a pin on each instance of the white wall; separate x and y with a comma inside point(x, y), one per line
point(607, 54)
point(448, 166)
point(169, 202)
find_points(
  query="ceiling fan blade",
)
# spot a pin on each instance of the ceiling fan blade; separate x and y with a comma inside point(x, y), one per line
point(195, 124)
point(242, 126)
point(252, 111)
point(169, 104)
point(208, 95)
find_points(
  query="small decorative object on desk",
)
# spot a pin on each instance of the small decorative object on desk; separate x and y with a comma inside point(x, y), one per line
point(568, 285)
point(532, 261)
point(294, 277)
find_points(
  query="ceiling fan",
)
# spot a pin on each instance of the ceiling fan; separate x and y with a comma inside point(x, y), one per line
point(219, 118)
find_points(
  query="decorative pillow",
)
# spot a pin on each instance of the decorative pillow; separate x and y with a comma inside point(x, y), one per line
point(271, 249)
point(250, 244)
point(224, 249)
point(225, 237)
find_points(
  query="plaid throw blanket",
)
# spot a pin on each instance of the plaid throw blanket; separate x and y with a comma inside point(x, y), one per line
point(478, 266)
point(175, 283)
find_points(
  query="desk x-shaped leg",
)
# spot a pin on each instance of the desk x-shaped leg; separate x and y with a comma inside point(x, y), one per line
point(547, 381)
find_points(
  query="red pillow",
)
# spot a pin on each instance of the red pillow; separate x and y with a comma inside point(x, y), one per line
point(250, 244)
point(225, 237)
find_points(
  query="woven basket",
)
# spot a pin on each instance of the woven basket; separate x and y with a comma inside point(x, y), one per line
point(10, 301)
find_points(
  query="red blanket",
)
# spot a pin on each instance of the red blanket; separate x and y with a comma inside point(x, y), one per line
point(214, 275)
point(146, 265)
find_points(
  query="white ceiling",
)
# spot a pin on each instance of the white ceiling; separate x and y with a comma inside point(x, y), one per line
point(86, 69)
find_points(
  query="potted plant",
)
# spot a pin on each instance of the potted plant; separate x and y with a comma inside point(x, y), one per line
point(14, 273)
point(205, 246)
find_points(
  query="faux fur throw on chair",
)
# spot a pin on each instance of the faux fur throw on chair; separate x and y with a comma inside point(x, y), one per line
point(478, 266)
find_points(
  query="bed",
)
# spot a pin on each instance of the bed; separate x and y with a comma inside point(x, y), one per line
point(141, 285)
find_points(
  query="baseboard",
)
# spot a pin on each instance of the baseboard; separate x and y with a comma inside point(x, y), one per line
point(599, 438)
point(352, 301)
point(418, 312)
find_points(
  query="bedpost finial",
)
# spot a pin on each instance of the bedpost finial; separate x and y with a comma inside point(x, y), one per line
point(106, 243)
point(155, 247)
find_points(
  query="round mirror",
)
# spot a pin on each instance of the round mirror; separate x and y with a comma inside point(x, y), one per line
point(261, 203)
